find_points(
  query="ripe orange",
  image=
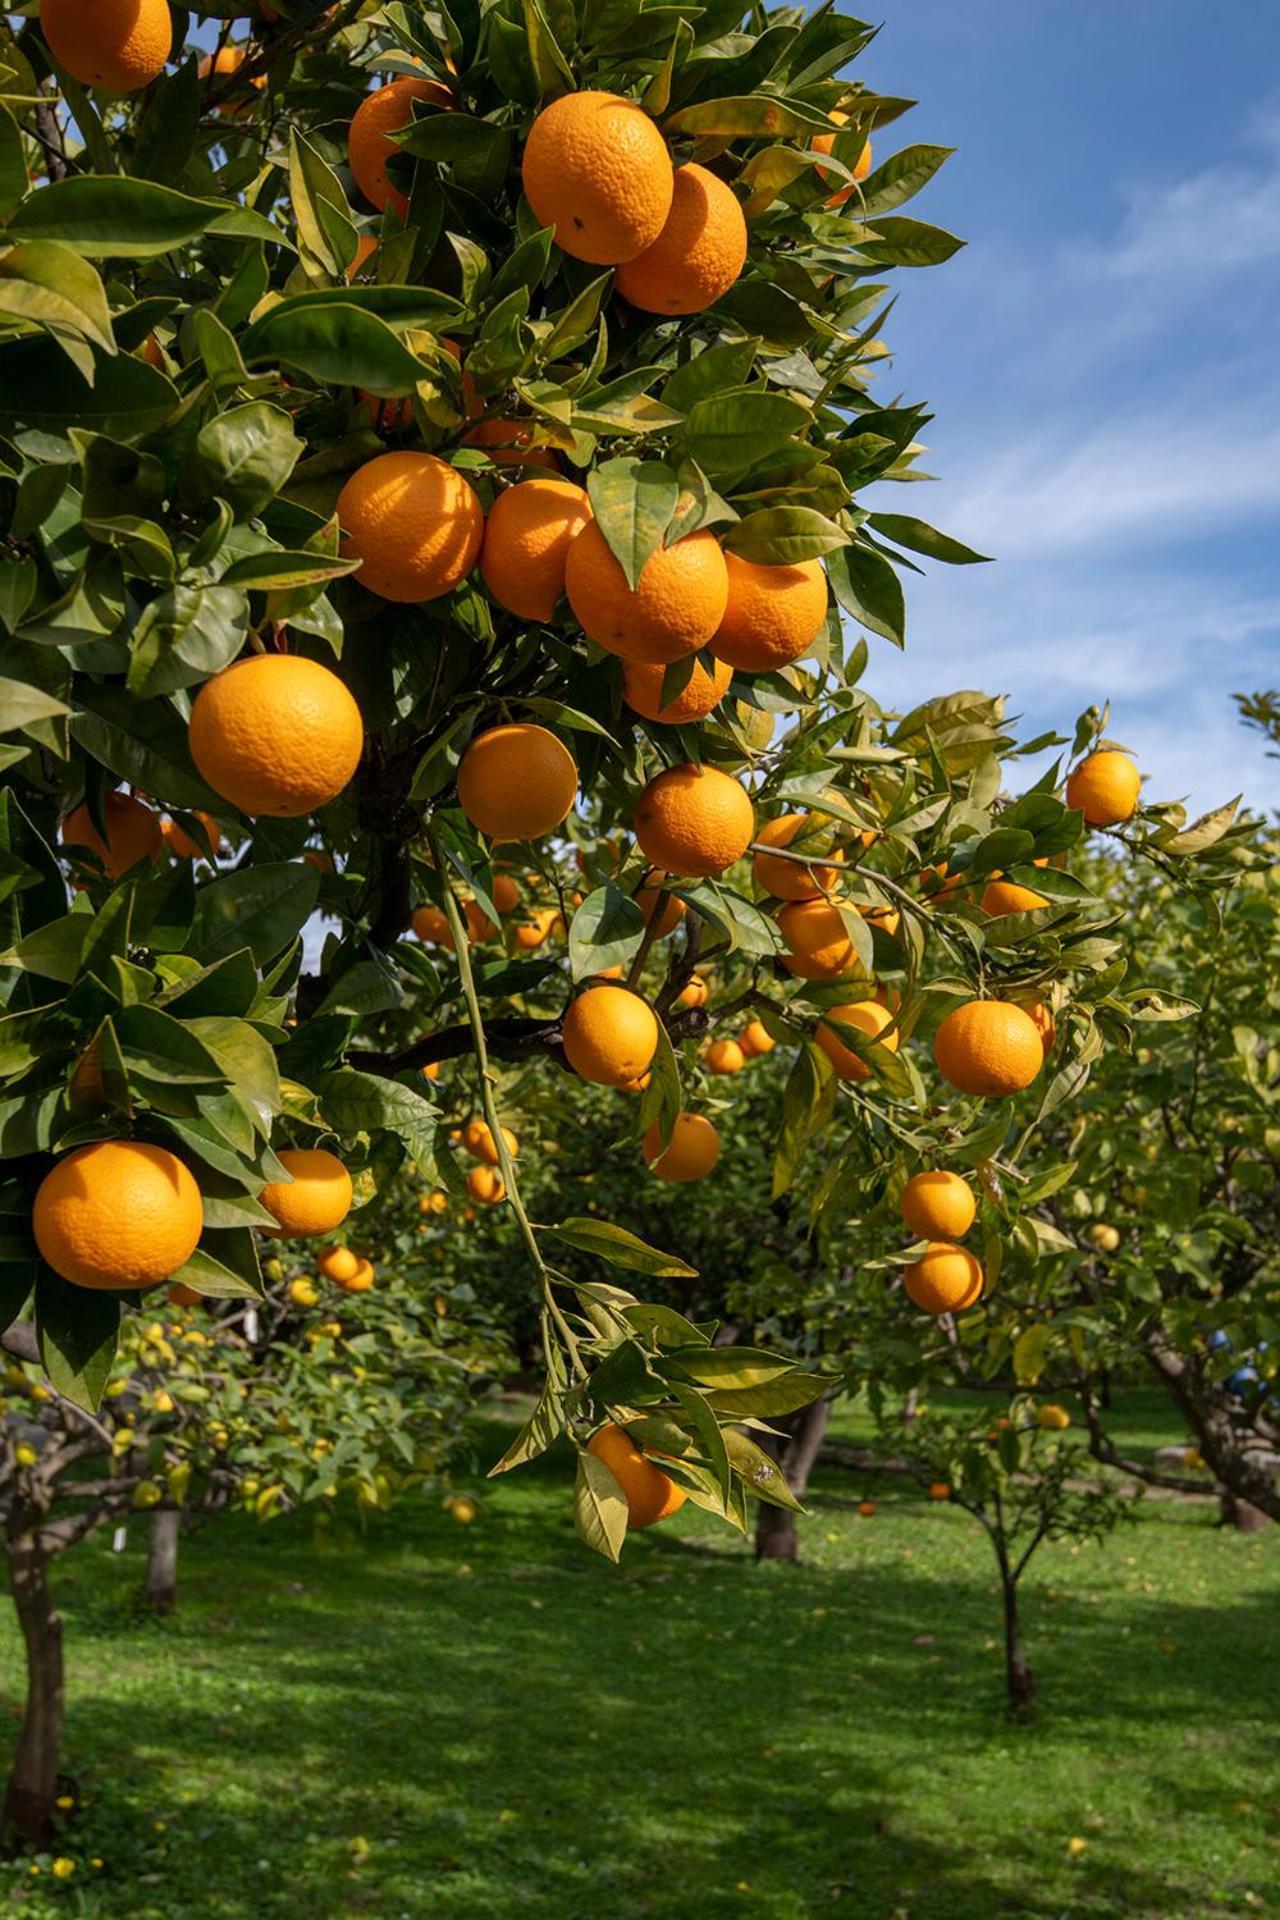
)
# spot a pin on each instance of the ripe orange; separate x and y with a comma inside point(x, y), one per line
point(699, 253)
point(787, 879)
point(642, 688)
point(690, 1154)
point(507, 443)
point(431, 924)
point(478, 1141)
point(317, 1196)
point(866, 1509)
point(597, 169)
point(653, 903)
point(339, 1263)
point(182, 846)
point(536, 930)
point(824, 142)
point(1105, 788)
point(366, 247)
point(868, 1017)
point(505, 893)
point(1006, 896)
point(368, 148)
point(939, 1490)
point(694, 821)
point(610, 1035)
point(756, 1039)
point(937, 1205)
point(390, 418)
point(181, 1295)
point(526, 544)
point(650, 1494)
point(819, 946)
point(773, 614)
point(695, 994)
point(517, 782)
point(674, 610)
point(486, 1186)
point(988, 1047)
point(133, 833)
point(724, 1056)
point(945, 1279)
point(358, 1282)
point(119, 45)
point(276, 734)
point(229, 60)
point(1041, 1018)
point(118, 1213)
point(415, 525)
point(1052, 1419)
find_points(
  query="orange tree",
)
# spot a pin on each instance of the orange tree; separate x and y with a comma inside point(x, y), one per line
point(337, 1396)
point(434, 444)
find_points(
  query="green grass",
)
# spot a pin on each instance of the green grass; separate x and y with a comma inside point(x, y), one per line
point(486, 1724)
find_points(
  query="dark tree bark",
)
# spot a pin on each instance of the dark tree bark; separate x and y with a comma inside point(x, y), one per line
point(1018, 1681)
point(161, 1589)
point(33, 1782)
point(1207, 1412)
point(776, 1534)
point(1241, 1514)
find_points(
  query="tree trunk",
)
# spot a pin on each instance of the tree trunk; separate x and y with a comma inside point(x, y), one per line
point(1241, 1514)
point(1205, 1411)
point(33, 1783)
point(161, 1588)
point(776, 1537)
point(1018, 1681)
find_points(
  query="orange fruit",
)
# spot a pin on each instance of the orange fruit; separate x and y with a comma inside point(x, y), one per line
point(479, 926)
point(667, 908)
point(431, 924)
point(119, 45)
point(819, 946)
point(1052, 1419)
point(415, 525)
point(699, 253)
point(358, 1282)
point(486, 1186)
point(650, 1494)
point(724, 1056)
point(182, 846)
point(945, 1279)
point(181, 1295)
point(368, 147)
point(787, 879)
point(868, 1017)
point(317, 1196)
point(229, 60)
point(537, 929)
point(432, 1070)
point(339, 1263)
point(517, 782)
point(988, 1047)
point(939, 1490)
point(596, 168)
point(318, 859)
point(276, 734)
point(694, 821)
point(1041, 1018)
point(676, 607)
point(867, 1509)
point(690, 1154)
point(387, 417)
point(526, 544)
point(133, 833)
point(1105, 788)
point(1006, 896)
point(437, 1201)
point(824, 142)
point(773, 614)
point(507, 443)
point(366, 247)
point(756, 1039)
point(479, 1142)
point(937, 1205)
point(610, 1035)
point(118, 1213)
point(505, 893)
point(695, 994)
point(642, 688)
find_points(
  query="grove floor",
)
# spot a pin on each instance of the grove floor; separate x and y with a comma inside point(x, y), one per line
point(484, 1723)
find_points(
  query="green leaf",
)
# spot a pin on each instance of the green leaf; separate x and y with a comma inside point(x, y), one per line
point(709, 373)
point(339, 343)
point(112, 217)
point(905, 531)
point(543, 1427)
point(245, 456)
point(78, 1329)
point(39, 385)
point(356, 1102)
point(759, 1474)
point(758, 116)
point(606, 931)
point(785, 1394)
point(783, 536)
point(900, 177)
point(325, 227)
point(551, 70)
point(727, 1368)
point(224, 1266)
point(868, 588)
point(620, 1248)
point(185, 635)
point(633, 501)
point(599, 1508)
point(908, 243)
point(13, 164)
point(728, 432)
point(143, 742)
point(167, 130)
point(21, 705)
point(53, 286)
point(1030, 1352)
point(262, 908)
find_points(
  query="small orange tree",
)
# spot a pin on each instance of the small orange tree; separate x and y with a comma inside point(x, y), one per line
point(435, 445)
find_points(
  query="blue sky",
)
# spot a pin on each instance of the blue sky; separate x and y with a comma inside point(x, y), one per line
point(1102, 360)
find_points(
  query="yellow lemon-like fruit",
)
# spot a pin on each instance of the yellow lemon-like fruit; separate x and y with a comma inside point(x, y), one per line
point(1006, 896)
point(339, 1263)
point(118, 1213)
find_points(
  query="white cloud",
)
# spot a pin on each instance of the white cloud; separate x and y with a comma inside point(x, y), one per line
point(1225, 217)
